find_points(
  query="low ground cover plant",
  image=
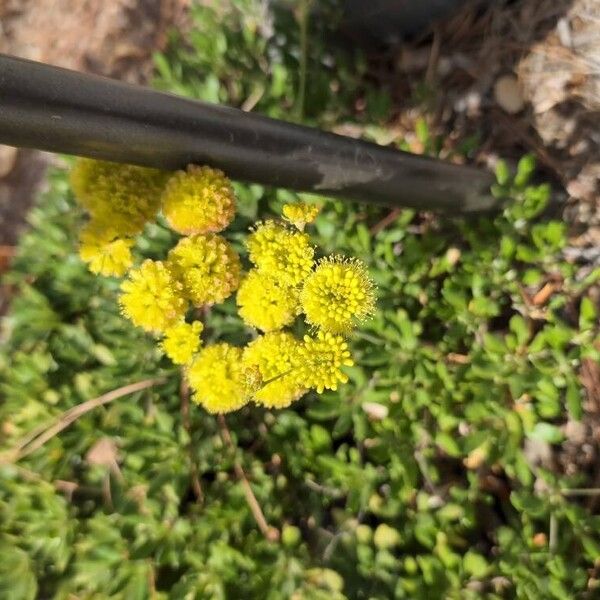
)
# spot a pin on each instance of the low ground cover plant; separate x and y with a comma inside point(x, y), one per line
point(428, 474)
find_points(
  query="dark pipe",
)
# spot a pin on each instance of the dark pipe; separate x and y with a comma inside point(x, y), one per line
point(388, 21)
point(59, 110)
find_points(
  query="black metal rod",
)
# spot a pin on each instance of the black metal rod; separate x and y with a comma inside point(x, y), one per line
point(59, 110)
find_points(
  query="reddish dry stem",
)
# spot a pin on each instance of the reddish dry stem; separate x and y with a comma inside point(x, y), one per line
point(184, 392)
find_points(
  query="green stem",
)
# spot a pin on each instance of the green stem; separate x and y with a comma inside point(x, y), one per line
point(304, 16)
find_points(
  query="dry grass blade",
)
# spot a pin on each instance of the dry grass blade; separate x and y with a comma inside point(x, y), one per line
point(36, 439)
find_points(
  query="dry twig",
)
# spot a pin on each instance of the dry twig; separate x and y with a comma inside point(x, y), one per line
point(184, 392)
point(39, 436)
point(386, 221)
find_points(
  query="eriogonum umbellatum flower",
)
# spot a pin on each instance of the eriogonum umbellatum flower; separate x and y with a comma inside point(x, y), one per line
point(320, 360)
point(300, 214)
point(266, 304)
point(104, 250)
point(208, 267)
point(276, 368)
point(282, 253)
point(152, 298)
point(338, 294)
point(198, 200)
point(125, 196)
point(274, 355)
point(181, 341)
point(218, 379)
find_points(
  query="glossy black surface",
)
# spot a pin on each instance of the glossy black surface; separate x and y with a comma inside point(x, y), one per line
point(58, 110)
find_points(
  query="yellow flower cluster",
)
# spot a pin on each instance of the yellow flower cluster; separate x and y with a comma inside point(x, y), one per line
point(338, 294)
point(218, 378)
point(281, 253)
point(181, 341)
point(152, 298)
point(300, 214)
point(105, 252)
point(321, 359)
point(198, 200)
point(124, 196)
point(208, 267)
point(202, 269)
point(275, 355)
point(264, 303)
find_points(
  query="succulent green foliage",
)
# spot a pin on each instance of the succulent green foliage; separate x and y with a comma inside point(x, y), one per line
point(411, 482)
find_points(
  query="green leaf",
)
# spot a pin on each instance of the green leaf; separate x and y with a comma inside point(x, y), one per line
point(529, 504)
point(502, 172)
point(573, 401)
point(546, 432)
point(475, 564)
point(448, 444)
point(17, 579)
point(525, 169)
point(588, 315)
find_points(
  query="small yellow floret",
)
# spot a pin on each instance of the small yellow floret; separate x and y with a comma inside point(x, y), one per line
point(338, 294)
point(208, 267)
point(320, 360)
point(274, 355)
point(125, 196)
point(300, 214)
point(152, 298)
point(198, 200)
point(281, 253)
point(105, 252)
point(218, 379)
point(266, 304)
point(182, 341)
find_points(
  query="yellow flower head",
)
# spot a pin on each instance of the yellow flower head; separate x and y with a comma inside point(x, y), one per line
point(283, 254)
point(198, 200)
point(103, 250)
point(264, 303)
point(274, 354)
point(152, 298)
point(338, 294)
point(182, 341)
point(300, 214)
point(218, 379)
point(84, 177)
point(208, 267)
point(125, 196)
point(320, 360)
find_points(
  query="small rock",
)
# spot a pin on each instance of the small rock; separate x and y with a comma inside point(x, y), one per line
point(508, 94)
point(8, 157)
point(375, 411)
point(453, 256)
point(537, 452)
point(575, 431)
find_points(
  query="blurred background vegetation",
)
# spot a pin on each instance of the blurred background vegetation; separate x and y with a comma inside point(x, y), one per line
point(451, 466)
